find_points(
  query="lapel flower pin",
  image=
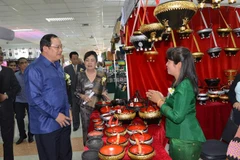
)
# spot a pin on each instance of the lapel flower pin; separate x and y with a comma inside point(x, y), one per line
point(67, 79)
point(171, 90)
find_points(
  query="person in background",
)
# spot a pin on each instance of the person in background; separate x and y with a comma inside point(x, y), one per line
point(12, 65)
point(21, 104)
point(234, 98)
point(9, 87)
point(49, 110)
point(89, 81)
point(72, 70)
point(100, 66)
point(179, 108)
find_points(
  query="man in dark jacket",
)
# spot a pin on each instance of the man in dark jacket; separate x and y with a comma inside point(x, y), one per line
point(72, 69)
point(9, 87)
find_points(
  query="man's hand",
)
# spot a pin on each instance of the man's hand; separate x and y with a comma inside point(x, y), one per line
point(63, 120)
point(3, 97)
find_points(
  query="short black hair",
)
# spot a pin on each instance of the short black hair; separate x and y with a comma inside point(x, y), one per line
point(21, 59)
point(46, 40)
point(89, 53)
point(73, 53)
point(9, 62)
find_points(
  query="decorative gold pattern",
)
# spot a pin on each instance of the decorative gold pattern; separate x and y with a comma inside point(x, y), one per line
point(175, 5)
point(153, 31)
point(224, 32)
point(149, 115)
point(127, 116)
point(231, 51)
point(112, 157)
point(141, 157)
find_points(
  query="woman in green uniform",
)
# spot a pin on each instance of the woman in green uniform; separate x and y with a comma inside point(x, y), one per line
point(182, 127)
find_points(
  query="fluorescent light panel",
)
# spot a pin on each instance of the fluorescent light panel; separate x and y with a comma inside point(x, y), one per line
point(60, 19)
point(22, 30)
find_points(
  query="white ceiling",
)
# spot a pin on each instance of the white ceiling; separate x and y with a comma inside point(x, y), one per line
point(101, 16)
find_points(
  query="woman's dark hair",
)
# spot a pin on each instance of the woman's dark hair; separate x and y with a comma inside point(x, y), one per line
point(89, 53)
point(182, 54)
point(46, 40)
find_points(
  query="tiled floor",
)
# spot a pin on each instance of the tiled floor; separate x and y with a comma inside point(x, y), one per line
point(28, 151)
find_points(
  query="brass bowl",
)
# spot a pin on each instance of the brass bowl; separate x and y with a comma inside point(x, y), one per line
point(113, 131)
point(213, 97)
point(224, 98)
point(214, 52)
point(237, 31)
point(224, 32)
point(125, 116)
point(204, 33)
point(185, 33)
point(197, 56)
point(151, 55)
point(111, 152)
point(231, 51)
point(149, 112)
point(128, 49)
point(148, 152)
point(152, 31)
point(175, 14)
point(123, 141)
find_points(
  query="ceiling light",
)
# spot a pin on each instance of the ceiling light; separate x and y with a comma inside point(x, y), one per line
point(22, 30)
point(60, 19)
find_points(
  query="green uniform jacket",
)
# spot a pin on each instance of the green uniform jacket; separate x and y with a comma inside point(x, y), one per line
point(180, 111)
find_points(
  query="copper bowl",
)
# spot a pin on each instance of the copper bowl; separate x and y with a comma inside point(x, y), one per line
point(231, 51)
point(144, 138)
point(131, 129)
point(175, 14)
point(100, 104)
point(149, 112)
point(95, 134)
point(113, 131)
point(147, 152)
point(205, 33)
point(111, 152)
point(105, 109)
point(123, 141)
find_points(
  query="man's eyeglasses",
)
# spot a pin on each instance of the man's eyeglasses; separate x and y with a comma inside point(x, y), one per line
point(57, 47)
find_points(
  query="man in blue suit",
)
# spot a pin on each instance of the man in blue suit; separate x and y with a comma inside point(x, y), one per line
point(49, 109)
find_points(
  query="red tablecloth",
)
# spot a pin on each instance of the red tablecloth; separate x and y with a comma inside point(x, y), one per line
point(213, 117)
point(159, 139)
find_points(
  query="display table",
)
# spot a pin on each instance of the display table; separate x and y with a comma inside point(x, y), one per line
point(213, 117)
point(158, 133)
